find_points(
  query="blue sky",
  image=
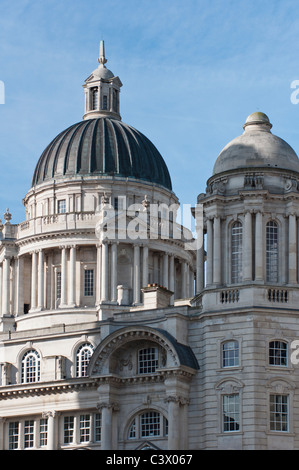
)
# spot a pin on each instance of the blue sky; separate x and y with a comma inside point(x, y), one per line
point(192, 71)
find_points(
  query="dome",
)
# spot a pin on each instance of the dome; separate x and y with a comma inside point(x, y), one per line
point(102, 147)
point(257, 147)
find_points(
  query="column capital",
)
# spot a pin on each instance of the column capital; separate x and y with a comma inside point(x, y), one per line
point(177, 399)
point(49, 414)
point(114, 406)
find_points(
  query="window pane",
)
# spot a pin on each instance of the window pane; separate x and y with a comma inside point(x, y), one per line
point(278, 353)
point(230, 354)
point(13, 434)
point(28, 434)
point(61, 206)
point(150, 424)
point(43, 432)
point(88, 282)
point(98, 427)
point(236, 252)
point(68, 429)
point(147, 360)
point(231, 418)
point(84, 354)
point(272, 252)
point(279, 413)
point(84, 428)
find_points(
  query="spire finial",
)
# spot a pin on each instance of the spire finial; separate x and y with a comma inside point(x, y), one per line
point(102, 59)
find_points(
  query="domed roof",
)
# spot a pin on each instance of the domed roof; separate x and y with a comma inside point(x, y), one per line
point(257, 147)
point(102, 147)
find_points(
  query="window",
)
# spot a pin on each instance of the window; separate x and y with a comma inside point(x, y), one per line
point(279, 411)
point(61, 206)
point(88, 282)
point(85, 428)
point(272, 251)
point(147, 360)
point(278, 353)
point(68, 429)
point(230, 412)
point(236, 258)
point(95, 98)
point(97, 427)
point(43, 432)
point(58, 285)
point(13, 435)
point(30, 367)
point(28, 434)
point(148, 425)
point(105, 102)
point(83, 356)
point(230, 354)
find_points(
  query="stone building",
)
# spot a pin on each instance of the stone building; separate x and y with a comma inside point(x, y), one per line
point(121, 331)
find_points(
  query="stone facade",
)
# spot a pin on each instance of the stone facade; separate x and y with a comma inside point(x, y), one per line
point(118, 329)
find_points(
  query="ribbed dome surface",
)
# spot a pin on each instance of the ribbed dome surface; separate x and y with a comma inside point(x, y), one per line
point(102, 147)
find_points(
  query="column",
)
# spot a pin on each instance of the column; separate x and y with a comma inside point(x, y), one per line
point(145, 266)
point(171, 278)
point(40, 290)
point(292, 249)
point(209, 252)
point(247, 250)
point(217, 251)
point(184, 274)
point(174, 428)
point(105, 272)
point(114, 272)
point(6, 286)
point(259, 254)
point(165, 270)
point(63, 278)
point(107, 410)
point(33, 279)
point(72, 277)
point(51, 441)
point(98, 275)
point(19, 304)
point(136, 275)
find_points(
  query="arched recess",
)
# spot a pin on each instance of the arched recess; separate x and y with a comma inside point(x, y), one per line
point(119, 350)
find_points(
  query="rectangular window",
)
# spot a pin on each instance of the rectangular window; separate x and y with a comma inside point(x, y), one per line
point(147, 360)
point(279, 413)
point(61, 206)
point(230, 354)
point(28, 434)
point(231, 412)
point(68, 429)
point(105, 102)
point(43, 432)
point(150, 424)
point(84, 428)
point(13, 435)
point(58, 285)
point(97, 427)
point(278, 353)
point(88, 282)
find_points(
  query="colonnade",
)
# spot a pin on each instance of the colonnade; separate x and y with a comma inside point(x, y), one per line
point(43, 277)
point(218, 249)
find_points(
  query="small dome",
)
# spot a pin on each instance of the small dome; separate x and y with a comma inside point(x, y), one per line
point(102, 72)
point(257, 147)
point(102, 147)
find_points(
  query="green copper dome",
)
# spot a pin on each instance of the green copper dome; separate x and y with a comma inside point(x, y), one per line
point(102, 147)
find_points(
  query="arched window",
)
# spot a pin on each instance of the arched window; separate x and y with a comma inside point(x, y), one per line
point(236, 258)
point(147, 425)
point(278, 353)
point(30, 367)
point(230, 354)
point(272, 251)
point(83, 356)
